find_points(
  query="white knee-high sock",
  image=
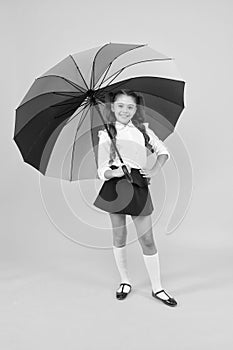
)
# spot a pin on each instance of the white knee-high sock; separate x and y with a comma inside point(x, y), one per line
point(120, 254)
point(153, 268)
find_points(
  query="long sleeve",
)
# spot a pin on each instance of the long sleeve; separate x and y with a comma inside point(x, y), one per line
point(103, 154)
point(156, 143)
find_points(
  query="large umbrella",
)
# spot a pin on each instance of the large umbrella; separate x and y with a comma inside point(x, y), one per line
point(57, 122)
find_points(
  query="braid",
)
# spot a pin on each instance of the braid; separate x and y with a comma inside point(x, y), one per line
point(113, 132)
point(141, 127)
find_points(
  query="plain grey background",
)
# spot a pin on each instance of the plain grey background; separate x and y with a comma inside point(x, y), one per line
point(56, 293)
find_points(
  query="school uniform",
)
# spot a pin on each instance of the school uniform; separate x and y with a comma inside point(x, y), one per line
point(117, 195)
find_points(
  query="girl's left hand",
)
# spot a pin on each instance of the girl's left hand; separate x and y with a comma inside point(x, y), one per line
point(147, 172)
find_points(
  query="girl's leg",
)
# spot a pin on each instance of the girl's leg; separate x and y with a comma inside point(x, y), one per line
point(143, 225)
point(119, 247)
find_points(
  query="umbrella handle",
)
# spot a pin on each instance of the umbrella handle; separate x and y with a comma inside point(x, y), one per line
point(127, 174)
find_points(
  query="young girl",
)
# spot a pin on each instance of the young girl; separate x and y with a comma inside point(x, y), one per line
point(119, 197)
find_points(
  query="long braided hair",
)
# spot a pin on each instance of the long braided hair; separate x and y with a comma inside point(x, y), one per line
point(138, 118)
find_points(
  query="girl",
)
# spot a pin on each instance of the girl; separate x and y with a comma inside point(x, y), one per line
point(118, 197)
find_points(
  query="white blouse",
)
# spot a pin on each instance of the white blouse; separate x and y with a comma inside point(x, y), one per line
point(131, 145)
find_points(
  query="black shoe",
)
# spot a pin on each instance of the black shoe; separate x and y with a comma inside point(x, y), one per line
point(170, 301)
point(122, 295)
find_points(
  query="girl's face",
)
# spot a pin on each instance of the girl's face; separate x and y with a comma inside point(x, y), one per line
point(124, 108)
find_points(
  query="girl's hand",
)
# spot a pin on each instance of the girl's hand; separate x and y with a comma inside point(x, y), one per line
point(147, 172)
point(119, 172)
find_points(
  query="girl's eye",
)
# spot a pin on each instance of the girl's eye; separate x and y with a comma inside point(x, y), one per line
point(121, 106)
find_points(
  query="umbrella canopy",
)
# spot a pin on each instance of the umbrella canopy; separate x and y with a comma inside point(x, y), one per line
point(57, 122)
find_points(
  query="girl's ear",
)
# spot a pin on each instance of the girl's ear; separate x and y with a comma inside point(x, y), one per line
point(112, 107)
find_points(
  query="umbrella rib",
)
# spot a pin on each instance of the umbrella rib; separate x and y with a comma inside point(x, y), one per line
point(66, 104)
point(79, 71)
point(163, 98)
point(45, 93)
point(145, 92)
point(63, 78)
point(73, 146)
point(40, 134)
point(132, 64)
point(84, 106)
point(119, 72)
point(109, 90)
point(106, 72)
point(92, 75)
point(24, 126)
point(65, 112)
point(63, 94)
point(93, 66)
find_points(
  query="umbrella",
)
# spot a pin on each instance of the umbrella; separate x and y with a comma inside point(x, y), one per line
point(57, 122)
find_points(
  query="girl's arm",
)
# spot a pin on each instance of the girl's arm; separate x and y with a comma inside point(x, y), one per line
point(104, 171)
point(161, 159)
point(160, 150)
point(103, 155)
point(157, 144)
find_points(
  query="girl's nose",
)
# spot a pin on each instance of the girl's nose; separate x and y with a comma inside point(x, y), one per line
point(125, 109)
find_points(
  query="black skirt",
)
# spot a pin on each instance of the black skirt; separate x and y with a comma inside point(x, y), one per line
point(119, 196)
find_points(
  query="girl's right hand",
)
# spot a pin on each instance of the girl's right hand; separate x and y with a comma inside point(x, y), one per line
point(119, 171)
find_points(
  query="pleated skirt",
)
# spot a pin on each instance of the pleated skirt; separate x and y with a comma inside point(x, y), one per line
point(119, 196)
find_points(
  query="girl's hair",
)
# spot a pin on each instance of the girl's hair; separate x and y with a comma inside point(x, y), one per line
point(138, 118)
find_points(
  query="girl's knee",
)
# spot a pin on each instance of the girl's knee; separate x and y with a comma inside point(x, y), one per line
point(119, 244)
point(147, 241)
point(119, 237)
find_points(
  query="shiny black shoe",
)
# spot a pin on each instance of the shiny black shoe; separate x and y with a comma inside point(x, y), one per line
point(122, 295)
point(170, 301)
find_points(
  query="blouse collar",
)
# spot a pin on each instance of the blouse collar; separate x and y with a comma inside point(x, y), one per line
point(123, 126)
